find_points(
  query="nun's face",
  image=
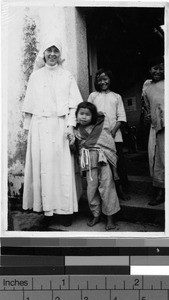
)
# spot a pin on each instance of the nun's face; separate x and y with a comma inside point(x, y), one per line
point(52, 56)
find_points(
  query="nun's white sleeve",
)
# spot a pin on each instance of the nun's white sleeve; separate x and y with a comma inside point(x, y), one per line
point(90, 99)
point(74, 95)
point(74, 99)
point(27, 121)
point(71, 121)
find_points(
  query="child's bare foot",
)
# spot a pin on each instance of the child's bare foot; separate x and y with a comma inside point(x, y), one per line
point(110, 223)
point(93, 221)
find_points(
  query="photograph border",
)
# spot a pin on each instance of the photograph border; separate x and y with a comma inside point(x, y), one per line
point(77, 236)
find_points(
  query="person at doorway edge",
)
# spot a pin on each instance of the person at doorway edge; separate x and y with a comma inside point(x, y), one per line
point(51, 100)
point(153, 97)
point(111, 104)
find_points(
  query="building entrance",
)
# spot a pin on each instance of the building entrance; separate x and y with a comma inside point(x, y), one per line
point(123, 39)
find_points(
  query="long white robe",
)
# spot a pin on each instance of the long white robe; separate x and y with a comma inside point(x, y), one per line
point(51, 99)
point(153, 94)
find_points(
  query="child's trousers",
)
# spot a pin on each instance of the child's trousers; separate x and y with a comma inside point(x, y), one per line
point(101, 191)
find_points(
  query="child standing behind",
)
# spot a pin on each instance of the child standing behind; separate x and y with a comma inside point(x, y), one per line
point(96, 153)
point(111, 104)
point(153, 96)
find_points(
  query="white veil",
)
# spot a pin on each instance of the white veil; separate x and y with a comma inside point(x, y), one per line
point(47, 42)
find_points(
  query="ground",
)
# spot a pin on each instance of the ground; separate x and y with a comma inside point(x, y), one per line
point(135, 216)
point(23, 221)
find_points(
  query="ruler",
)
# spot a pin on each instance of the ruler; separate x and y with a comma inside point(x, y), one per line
point(84, 287)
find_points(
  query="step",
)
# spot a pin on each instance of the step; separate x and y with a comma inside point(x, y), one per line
point(140, 184)
point(137, 209)
point(134, 210)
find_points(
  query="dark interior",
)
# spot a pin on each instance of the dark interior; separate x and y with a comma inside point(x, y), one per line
point(126, 38)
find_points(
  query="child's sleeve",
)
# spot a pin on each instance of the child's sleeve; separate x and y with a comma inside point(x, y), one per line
point(146, 115)
point(121, 115)
point(90, 98)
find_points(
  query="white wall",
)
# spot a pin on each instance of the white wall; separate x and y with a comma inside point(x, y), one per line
point(67, 24)
point(13, 84)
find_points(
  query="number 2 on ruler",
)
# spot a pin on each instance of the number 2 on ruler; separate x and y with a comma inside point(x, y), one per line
point(136, 282)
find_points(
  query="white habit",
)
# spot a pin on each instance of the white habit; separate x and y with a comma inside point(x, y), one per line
point(50, 103)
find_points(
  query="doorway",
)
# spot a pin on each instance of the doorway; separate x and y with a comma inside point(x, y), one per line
point(123, 40)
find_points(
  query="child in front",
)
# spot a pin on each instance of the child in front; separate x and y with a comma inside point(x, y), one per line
point(96, 152)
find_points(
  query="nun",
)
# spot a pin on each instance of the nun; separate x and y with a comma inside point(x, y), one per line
point(49, 107)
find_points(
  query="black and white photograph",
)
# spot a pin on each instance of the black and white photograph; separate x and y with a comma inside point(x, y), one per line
point(83, 118)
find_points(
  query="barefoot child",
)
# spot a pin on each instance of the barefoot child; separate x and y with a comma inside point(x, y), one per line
point(96, 153)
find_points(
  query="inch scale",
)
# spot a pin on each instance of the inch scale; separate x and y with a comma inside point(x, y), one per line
point(84, 287)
